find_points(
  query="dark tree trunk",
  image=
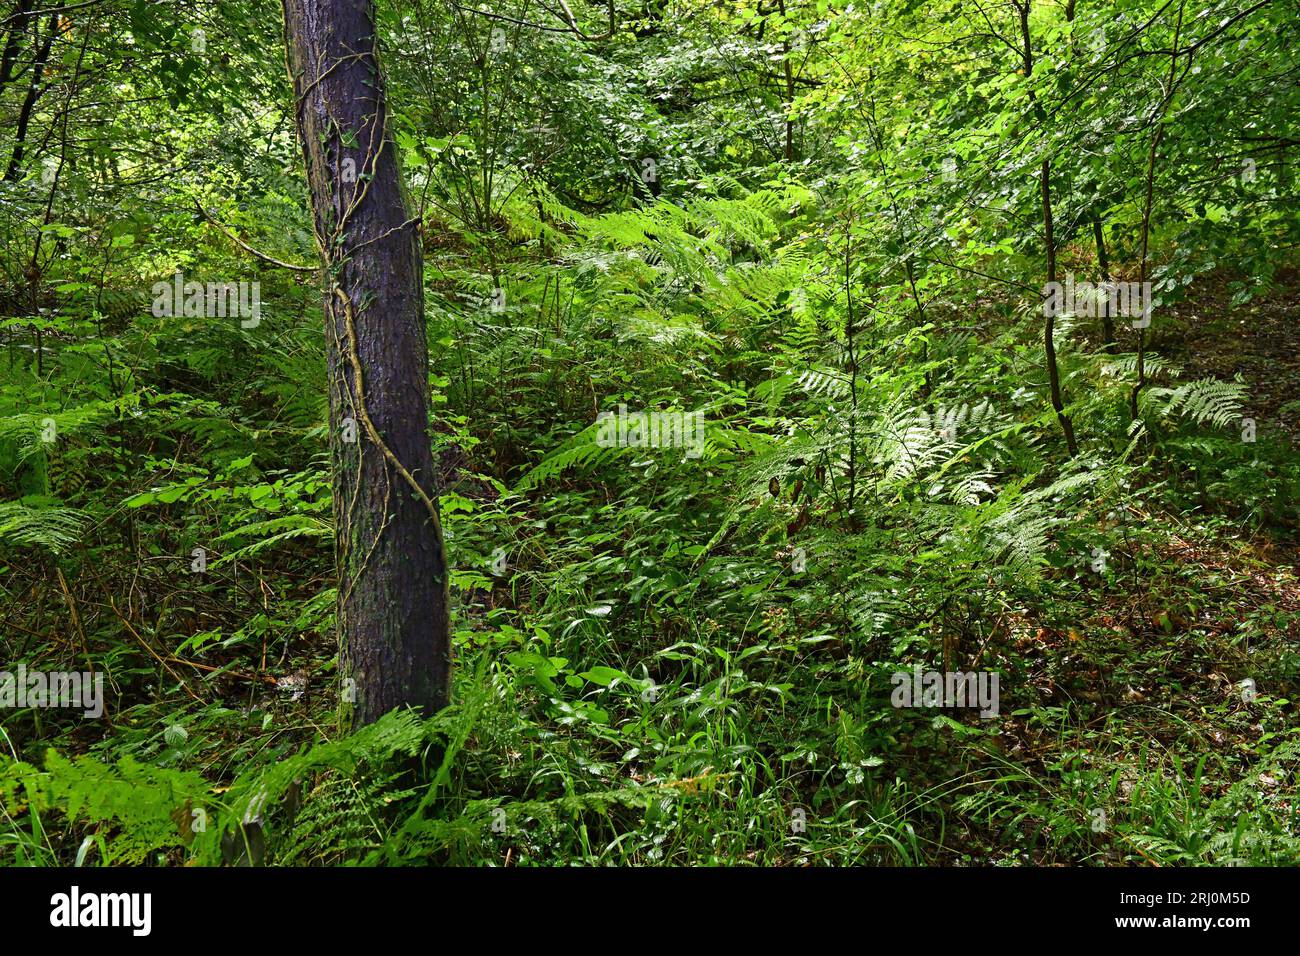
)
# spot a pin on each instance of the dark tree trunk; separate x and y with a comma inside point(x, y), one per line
point(18, 26)
point(1049, 323)
point(393, 599)
point(34, 90)
point(1103, 264)
point(1049, 243)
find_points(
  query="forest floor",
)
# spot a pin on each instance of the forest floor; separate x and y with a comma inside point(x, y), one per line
point(1165, 667)
point(1259, 341)
point(1148, 716)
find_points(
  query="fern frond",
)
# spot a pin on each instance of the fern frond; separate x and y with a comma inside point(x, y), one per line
point(34, 523)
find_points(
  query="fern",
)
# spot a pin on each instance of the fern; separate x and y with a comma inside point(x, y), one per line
point(38, 522)
point(581, 451)
point(141, 803)
point(270, 533)
point(1204, 400)
point(824, 383)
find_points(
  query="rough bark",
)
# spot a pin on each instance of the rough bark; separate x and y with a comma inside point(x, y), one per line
point(393, 599)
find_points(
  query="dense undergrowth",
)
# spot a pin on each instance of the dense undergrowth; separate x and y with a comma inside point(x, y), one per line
point(665, 657)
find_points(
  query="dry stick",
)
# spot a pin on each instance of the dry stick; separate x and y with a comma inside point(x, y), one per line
point(249, 249)
point(371, 431)
point(302, 97)
point(489, 15)
point(572, 21)
point(76, 619)
point(145, 644)
point(342, 534)
point(383, 526)
point(349, 315)
point(264, 678)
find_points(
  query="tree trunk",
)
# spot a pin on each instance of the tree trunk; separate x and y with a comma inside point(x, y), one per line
point(1049, 324)
point(392, 570)
point(1049, 243)
point(1171, 87)
point(34, 90)
point(1103, 264)
point(18, 27)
